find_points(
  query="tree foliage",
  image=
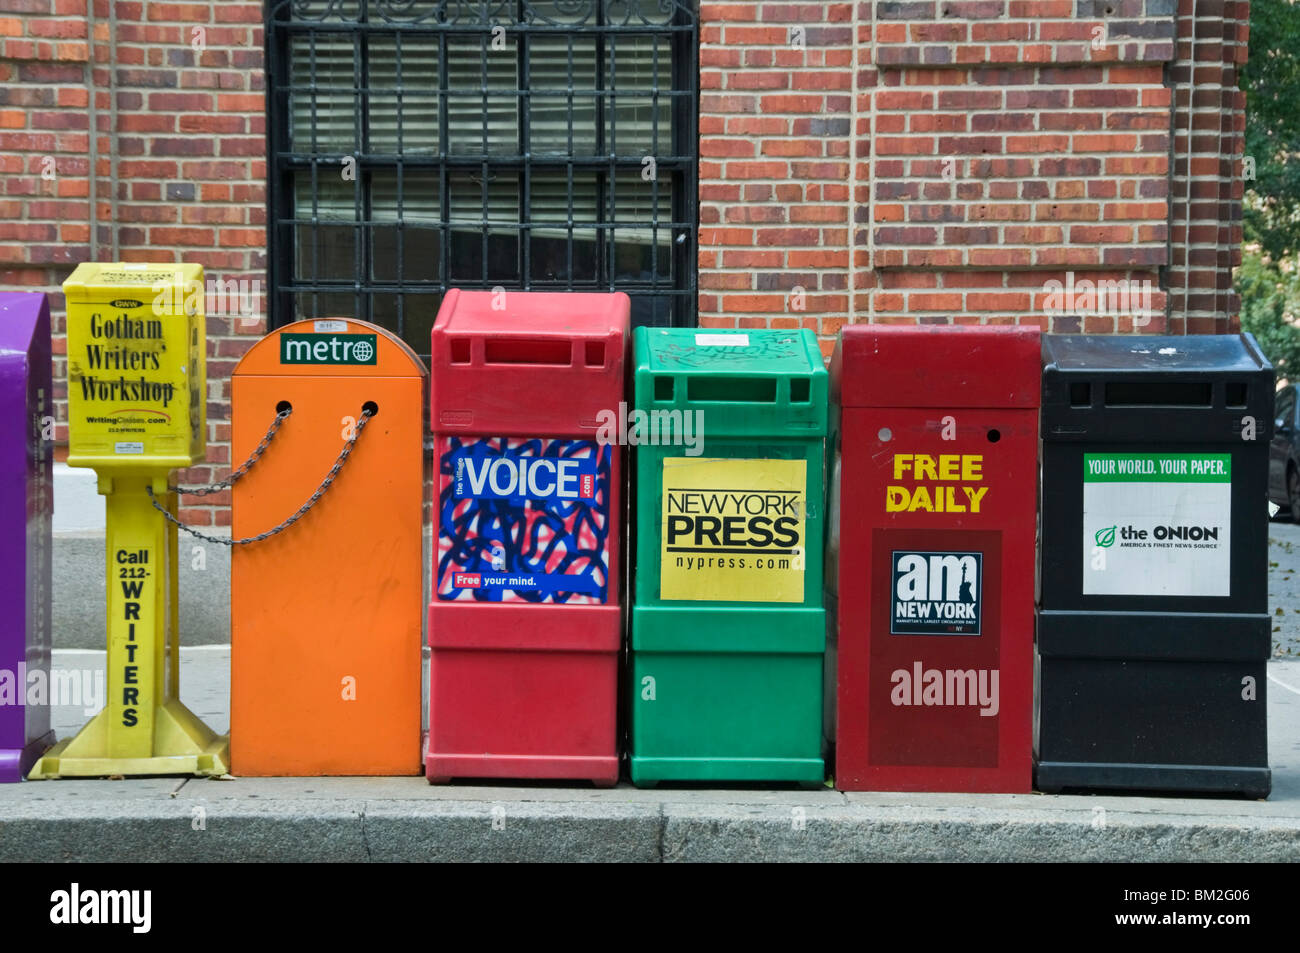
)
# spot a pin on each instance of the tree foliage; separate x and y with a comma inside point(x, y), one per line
point(1270, 301)
point(1268, 279)
point(1271, 81)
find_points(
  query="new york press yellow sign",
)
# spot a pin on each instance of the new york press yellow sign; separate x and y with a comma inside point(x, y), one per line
point(733, 530)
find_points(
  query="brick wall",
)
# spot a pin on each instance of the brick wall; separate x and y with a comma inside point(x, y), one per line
point(174, 94)
point(776, 112)
point(878, 160)
point(1014, 161)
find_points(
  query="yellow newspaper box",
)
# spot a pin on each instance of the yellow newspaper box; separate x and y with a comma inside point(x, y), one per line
point(136, 388)
point(136, 367)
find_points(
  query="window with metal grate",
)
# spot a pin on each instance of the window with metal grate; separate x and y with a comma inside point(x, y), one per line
point(535, 144)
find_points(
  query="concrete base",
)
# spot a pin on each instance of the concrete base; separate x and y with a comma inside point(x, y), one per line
point(1220, 780)
point(404, 819)
point(407, 819)
point(182, 744)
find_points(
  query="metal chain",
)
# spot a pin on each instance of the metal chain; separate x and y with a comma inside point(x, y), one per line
point(244, 467)
point(325, 484)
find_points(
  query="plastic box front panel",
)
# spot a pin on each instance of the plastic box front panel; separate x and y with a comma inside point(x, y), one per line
point(26, 506)
point(524, 520)
point(526, 609)
point(935, 599)
point(758, 539)
point(728, 630)
point(1154, 527)
point(755, 716)
point(1153, 703)
point(1152, 629)
point(325, 616)
point(136, 366)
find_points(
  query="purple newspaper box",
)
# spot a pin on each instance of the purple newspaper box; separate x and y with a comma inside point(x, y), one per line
point(26, 502)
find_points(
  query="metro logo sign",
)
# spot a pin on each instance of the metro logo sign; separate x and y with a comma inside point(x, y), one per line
point(328, 349)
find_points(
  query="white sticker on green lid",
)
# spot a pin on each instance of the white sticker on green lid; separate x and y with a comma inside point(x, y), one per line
point(722, 340)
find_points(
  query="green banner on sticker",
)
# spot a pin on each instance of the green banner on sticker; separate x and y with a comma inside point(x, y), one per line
point(1157, 468)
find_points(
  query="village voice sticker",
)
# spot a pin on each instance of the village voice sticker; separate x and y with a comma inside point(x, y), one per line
point(523, 519)
point(1157, 524)
point(936, 593)
point(733, 530)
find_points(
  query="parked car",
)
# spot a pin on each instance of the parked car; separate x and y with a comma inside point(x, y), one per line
point(1284, 455)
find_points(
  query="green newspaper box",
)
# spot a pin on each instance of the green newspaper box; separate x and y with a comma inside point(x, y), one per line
point(728, 628)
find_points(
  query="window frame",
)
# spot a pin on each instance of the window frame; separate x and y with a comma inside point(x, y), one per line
point(678, 167)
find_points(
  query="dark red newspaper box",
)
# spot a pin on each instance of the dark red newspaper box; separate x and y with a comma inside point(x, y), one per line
point(525, 619)
point(938, 445)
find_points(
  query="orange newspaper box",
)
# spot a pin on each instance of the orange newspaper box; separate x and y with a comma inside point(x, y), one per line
point(325, 613)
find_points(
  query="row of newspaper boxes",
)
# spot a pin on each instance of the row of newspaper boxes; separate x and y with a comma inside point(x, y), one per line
point(959, 559)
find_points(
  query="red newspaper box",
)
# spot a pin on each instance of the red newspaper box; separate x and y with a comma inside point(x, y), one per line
point(526, 616)
point(938, 446)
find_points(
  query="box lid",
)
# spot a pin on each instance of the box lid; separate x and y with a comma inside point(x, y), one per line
point(727, 352)
point(93, 279)
point(1182, 354)
point(20, 316)
point(890, 365)
point(543, 313)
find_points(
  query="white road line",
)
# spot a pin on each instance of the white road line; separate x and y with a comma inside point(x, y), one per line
point(1278, 681)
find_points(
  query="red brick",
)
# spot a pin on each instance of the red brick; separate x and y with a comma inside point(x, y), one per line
point(756, 170)
point(740, 303)
point(726, 148)
point(255, 237)
point(182, 236)
point(68, 28)
point(919, 301)
point(184, 12)
point(755, 258)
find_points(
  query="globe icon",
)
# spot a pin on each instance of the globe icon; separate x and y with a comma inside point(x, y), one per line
point(363, 351)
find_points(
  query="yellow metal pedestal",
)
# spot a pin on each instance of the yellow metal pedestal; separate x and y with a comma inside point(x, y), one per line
point(190, 747)
point(144, 728)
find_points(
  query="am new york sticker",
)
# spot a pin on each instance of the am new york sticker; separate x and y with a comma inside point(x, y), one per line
point(523, 520)
point(936, 593)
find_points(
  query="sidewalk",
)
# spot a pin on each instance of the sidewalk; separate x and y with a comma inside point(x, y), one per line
point(406, 819)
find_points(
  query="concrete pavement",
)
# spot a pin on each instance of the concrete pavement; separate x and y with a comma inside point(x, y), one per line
point(406, 819)
point(310, 819)
point(1284, 588)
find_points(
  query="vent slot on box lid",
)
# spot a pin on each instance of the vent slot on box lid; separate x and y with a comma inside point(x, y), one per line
point(732, 389)
point(527, 351)
point(1158, 393)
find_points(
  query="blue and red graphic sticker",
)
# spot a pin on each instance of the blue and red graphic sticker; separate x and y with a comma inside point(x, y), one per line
point(523, 519)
